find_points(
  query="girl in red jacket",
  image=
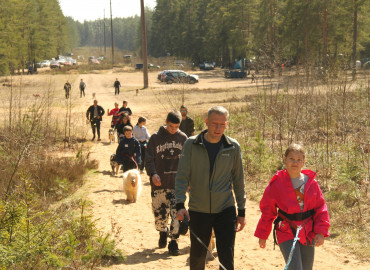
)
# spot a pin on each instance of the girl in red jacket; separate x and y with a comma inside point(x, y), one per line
point(293, 198)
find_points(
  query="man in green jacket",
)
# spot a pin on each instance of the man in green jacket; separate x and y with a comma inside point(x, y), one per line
point(211, 166)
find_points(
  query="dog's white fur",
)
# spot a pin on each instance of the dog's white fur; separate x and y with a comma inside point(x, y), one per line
point(112, 137)
point(132, 185)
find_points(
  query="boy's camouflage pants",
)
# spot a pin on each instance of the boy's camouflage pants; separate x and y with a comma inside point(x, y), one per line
point(164, 206)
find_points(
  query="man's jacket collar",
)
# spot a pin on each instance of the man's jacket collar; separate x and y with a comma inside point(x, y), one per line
point(225, 140)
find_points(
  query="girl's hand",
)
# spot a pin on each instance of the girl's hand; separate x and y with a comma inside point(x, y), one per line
point(262, 243)
point(319, 239)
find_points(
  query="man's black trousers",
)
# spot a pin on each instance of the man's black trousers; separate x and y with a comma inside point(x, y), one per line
point(224, 226)
point(95, 125)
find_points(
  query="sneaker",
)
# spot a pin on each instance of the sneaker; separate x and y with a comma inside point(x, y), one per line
point(93, 138)
point(162, 243)
point(99, 139)
point(173, 248)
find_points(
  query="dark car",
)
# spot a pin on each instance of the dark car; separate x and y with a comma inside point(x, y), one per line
point(179, 76)
point(206, 66)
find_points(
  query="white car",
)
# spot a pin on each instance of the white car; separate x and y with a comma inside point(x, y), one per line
point(45, 63)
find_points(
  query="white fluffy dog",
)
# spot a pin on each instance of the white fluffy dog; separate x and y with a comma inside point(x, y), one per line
point(132, 185)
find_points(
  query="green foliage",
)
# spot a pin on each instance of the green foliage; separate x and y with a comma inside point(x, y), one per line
point(35, 238)
point(31, 31)
point(332, 126)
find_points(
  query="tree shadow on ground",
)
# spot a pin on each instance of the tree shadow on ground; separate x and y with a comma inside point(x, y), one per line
point(149, 255)
point(105, 172)
point(107, 190)
point(121, 201)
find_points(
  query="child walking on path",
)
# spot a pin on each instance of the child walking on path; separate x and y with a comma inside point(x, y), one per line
point(141, 134)
point(293, 199)
point(128, 151)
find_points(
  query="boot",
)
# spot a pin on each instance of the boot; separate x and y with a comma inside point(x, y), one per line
point(173, 248)
point(162, 239)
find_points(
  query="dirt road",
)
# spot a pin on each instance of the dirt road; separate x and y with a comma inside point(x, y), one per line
point(135, 222)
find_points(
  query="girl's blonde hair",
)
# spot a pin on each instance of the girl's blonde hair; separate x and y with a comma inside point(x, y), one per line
point(295, 147)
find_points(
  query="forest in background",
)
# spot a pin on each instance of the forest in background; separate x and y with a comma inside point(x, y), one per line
point(311, 32)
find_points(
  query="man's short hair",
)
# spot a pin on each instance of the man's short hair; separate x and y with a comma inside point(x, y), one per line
point(127, 128)
point(174, 117)
point(183, 107)
point(218, 110)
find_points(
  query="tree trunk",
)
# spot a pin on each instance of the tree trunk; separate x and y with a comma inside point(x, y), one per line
point(111, 29)
point(354, 40)
point(144, 45)
point(325, 36)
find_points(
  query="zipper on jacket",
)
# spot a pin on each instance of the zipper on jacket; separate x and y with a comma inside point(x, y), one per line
point(210, 182)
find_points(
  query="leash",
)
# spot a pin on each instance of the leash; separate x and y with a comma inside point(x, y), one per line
point(132, 158)
point(204, 245)
point(296, 238)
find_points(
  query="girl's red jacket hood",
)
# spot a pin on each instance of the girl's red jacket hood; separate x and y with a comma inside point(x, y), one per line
point(280, 194)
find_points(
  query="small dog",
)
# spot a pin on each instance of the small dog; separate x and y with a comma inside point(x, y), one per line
point(132, 185)
point(211, 246)
point(113, 163)
point(112, 137)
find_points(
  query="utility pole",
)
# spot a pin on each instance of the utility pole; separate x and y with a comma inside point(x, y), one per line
point(111, 29)
point(143, 45)
point(105, 43)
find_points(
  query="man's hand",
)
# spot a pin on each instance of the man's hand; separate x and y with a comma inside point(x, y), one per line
point(319, 239)
point(240, 223)
point(181, 213)
point(262, 243)
point(98, 117)
point(156, 180)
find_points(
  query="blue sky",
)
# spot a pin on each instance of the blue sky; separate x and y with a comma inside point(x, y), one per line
point(94, 9)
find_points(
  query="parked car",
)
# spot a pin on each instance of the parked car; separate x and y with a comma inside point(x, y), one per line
point(45, 63)
point(68, 62)
point(235, 74)
point(54, 64)
point(179, 76)
point(162, 75)
point(206, 66)
point(94, 61)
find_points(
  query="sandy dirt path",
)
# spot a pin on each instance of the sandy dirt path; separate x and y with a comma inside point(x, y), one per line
point(135, 222)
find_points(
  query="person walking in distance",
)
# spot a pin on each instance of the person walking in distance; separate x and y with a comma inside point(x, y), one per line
point(94, 115)
point(117, 85)
point(82, 87)
point(187, 124)
point(211, 167)
point(115, 118)
point(67, 89)
point(141, 134)
point(161, 160)
point(125, 109)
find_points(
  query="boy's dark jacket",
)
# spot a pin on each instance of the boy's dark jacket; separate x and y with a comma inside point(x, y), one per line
point(128, 148)
point(162, 156)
